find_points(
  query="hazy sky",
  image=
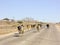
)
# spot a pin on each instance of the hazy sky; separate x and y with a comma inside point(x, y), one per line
point(44, 10)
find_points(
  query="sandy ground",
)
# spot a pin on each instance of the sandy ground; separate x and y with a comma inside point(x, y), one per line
point(58, 27)
point(46, 36)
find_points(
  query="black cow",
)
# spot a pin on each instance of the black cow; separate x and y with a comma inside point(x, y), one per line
point(20, 29)
point(47, 25)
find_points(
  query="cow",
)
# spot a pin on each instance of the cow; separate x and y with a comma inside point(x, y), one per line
point(33, 26)
point(38, 27)
point(47, 25)
point(20, 29)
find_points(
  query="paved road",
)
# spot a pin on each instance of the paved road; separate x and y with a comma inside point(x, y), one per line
point(49, 36)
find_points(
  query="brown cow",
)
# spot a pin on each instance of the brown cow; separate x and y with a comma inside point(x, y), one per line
point(38, 27)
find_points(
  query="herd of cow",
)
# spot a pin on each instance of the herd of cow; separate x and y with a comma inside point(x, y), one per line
point(37, 26)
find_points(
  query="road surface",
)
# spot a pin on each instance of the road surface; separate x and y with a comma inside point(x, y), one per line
point(49, 36)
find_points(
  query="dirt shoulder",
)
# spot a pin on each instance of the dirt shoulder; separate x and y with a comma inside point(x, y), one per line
point(58, 27)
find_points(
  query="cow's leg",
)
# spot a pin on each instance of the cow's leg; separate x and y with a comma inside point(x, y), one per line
point(22, 31)
point(19, 31)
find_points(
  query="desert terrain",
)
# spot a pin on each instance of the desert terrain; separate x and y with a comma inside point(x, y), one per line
point(46, 36)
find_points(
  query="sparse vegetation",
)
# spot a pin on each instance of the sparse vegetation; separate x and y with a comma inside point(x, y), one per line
point(9, 26)
point(6, 19)
point(20, 22)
